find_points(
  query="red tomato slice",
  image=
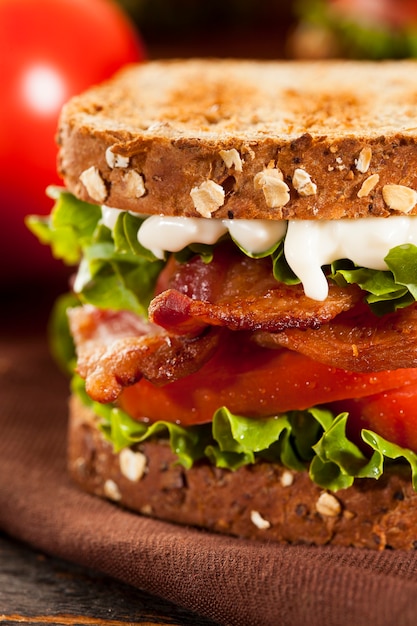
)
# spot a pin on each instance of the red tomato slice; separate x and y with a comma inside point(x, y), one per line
point(392, 414)
point(255, 382)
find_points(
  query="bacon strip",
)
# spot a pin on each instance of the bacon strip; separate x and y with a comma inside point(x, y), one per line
point(117, 349)
point(200, 301)
point(241, 293)
point(357, 341)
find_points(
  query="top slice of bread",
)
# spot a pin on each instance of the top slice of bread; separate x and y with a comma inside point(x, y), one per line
point(247, 139)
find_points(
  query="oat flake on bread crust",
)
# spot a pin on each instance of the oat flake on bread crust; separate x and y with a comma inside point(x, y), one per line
point(340, 122)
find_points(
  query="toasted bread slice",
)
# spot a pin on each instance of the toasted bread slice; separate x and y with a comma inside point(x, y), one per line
point(247, 139)
point(264, 501)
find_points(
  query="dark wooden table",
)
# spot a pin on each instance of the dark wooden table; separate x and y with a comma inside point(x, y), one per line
point(38, 589)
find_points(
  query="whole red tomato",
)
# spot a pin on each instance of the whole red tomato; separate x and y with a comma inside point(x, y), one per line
point(50, 50)
point(391, 13)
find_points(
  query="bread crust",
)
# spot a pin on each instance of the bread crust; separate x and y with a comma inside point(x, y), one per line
point(263, 502)
point(171, 120)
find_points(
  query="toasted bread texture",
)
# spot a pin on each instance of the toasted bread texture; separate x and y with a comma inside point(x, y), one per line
point(265, 501)
point(247, 139)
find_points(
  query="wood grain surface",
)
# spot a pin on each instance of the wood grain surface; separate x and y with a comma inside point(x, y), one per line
point(38, 589)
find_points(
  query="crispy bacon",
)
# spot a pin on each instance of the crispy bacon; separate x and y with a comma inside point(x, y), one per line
point(355, 341)
point(116, 349)
point(241, 293)
point(201, 302)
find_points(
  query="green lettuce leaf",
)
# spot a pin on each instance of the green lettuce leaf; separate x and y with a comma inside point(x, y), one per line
point(338, 461)
point(116, 271)
point(205, 252)
point(122, 431)
point(69, 227)
point(387, 290)
point(402, 262)
point(114, 277)
point(260, 255)
point(282, 271)
point(313, 440)
point(125, 236)
point(61, 343)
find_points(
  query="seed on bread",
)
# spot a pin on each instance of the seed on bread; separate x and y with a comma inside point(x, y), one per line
point(135, 184)
point(290, 510)
point(399, 197)
point(328, 505)
point(259, 521)
point(111, 490)
point(231, 159)
point(302, 183)
point(367, 185)
point(116, 160)
point(132, 464)
point(364, 160)
point(275, 190)
point(340, 166)
point(93, 182)
point(207, 197)
point(176, 151)
point(287, 478)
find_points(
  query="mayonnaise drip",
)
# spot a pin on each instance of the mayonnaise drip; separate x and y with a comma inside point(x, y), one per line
point(109, 216)
point(311, 244)
point(308, 245)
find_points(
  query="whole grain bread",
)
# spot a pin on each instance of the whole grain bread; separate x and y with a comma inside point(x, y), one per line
point(264, 501)
point(247, 139)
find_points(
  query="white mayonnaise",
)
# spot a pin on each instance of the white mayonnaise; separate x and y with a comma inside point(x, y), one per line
point(109, 216)
point(311, 244)
point(308, 245)
point(83, 276)
point(256, 236)
point(161, 233)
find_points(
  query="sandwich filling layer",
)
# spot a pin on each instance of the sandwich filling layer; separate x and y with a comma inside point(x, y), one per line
point(365, 242)
point(222, 350)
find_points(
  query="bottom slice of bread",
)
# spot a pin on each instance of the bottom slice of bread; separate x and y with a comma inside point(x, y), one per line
point(264, 501)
